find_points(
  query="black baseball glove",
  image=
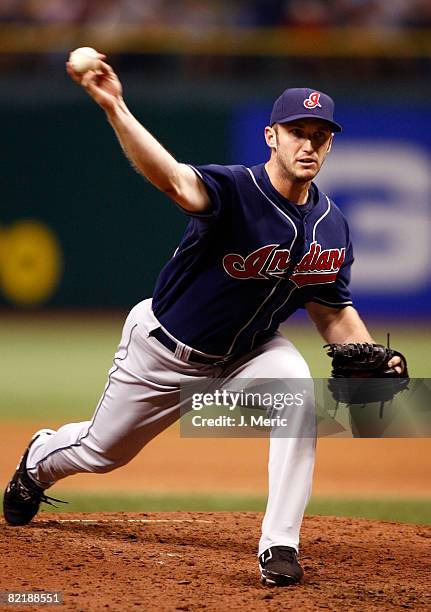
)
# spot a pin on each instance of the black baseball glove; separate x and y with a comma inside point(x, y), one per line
point(361, 375)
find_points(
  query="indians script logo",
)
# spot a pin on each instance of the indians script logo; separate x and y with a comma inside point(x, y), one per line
point(313, 100)
point(317, 266)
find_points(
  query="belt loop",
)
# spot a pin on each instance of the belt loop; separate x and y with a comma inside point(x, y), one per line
point(182, 352)
point(186, 352)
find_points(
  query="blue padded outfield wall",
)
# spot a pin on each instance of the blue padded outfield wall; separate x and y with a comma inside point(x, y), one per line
point(379, 174)
point(79, 228)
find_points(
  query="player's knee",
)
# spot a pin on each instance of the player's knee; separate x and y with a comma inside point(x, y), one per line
point(103, 463)
point(104, 467)
point(301, 370)
point(106, 457)
point(289, 364)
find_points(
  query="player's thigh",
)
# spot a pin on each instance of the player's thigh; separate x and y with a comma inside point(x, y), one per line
point(277, 358)
point(276, 378)
point(142, 396)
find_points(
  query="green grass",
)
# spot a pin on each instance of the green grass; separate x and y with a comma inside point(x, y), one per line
point(403, 510)
point(55, 367)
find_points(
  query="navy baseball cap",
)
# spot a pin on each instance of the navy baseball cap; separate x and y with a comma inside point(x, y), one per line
point(303, 103)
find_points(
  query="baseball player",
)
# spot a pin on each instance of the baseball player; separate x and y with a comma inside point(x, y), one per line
point(261, 243)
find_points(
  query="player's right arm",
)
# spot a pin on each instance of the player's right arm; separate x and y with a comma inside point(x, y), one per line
point(145, 153)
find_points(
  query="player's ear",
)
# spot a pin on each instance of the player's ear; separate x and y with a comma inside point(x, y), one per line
point(271, 137)
point(330, 143)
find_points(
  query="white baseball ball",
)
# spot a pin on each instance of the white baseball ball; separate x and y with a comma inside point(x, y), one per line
point(83, 59)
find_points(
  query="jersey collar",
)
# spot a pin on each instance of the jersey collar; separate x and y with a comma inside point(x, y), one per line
point(267, 187)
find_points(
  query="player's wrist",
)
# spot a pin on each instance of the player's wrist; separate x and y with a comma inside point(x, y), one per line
point(116, 108)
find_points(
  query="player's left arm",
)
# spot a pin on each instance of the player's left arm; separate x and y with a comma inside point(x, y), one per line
point(343, 325)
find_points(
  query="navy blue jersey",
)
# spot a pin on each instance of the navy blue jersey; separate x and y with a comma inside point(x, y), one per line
point(251, 262)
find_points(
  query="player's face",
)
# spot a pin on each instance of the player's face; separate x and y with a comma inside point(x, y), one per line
point(301, 147)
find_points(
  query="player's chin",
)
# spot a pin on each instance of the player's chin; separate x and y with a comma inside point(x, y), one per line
point(307, 174)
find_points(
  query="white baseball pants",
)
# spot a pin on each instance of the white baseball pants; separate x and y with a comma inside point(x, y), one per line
point(142, 398)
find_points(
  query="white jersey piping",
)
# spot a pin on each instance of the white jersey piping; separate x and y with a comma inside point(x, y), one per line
point(196, 172)
point(346, 303)
point(322, 217)
point(280, 279)
point(275, 205)
point(293, 289)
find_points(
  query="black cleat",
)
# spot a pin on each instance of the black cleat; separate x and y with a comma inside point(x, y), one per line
point(23, 496)
point(279, 566)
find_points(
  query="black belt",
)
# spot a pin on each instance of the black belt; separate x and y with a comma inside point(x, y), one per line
point(170, 344)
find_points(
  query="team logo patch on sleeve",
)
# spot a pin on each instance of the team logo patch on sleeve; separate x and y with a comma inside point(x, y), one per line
point(313, 100)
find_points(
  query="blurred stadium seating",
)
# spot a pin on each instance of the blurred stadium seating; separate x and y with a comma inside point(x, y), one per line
point(307, 35)
point(201, 13)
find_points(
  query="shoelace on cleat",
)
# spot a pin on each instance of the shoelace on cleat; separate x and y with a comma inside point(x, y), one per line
point(48, 500)
point(33, 495)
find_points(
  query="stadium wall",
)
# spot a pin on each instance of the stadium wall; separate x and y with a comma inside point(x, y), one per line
point(108, 232)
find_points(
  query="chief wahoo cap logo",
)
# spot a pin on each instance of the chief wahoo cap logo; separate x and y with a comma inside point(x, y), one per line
point(313, 100)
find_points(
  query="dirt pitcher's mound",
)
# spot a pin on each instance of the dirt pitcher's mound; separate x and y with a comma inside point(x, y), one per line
point(184, 561)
